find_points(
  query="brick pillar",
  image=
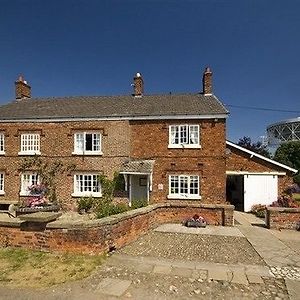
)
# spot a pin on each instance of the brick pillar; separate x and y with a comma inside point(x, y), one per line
point(207, 82)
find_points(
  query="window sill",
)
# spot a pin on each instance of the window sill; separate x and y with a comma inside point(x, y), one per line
point(2, 193)
point(2, 153)
point(24, 194)
point(184, 197)
point(96, 195)
point(29, 153)
point(88, 153)
point(182, 146)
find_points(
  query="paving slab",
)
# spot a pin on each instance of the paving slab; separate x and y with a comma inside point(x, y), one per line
point(247, 219)
point(293, 289)
point(255, 279)
point(162, 269)
point(113, 286)
point(208, 230)
point(240, 278)
point(218, 274)
point(273, 251)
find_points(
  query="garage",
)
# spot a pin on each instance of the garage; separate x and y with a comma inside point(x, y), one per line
point(244, 191)
point(254, 179)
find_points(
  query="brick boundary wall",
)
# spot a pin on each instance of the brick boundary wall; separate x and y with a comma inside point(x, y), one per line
point(102, 235)
point(282, 217)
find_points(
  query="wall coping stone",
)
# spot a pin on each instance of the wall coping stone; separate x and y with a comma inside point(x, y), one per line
point(283, 209)
point(111, 220)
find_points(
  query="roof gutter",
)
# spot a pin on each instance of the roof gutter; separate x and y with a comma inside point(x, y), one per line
point(118, 118)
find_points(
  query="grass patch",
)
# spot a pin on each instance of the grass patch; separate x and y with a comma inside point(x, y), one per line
point(296, 196)
point(28, 268)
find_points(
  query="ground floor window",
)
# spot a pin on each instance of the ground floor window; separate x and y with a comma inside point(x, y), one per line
point(1, 183)
point(87, 185)
point(27, 180)
point(184, 187)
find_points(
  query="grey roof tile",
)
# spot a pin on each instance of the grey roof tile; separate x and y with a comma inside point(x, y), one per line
point(138, 166)
point(112, 106)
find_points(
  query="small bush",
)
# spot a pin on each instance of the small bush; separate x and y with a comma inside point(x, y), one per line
point(85, 204)
point(106, 209)
point(285, 201)
point(259, 210)
point(293, 189)
point(139, 203)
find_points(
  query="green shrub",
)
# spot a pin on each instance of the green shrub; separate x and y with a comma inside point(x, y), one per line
point(85, 204)
point(259, 210)
point(105, 209)
point(138, 203)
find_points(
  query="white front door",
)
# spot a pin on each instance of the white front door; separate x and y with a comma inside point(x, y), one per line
point(259, 189)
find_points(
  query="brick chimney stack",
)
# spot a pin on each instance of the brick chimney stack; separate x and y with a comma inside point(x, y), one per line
point(23, 89)
point(207, 82)
point(138, 84)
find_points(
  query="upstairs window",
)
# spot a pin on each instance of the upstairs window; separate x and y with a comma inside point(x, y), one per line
point(27, 180)
point(87, 143)
point(87, 185)
point(30, 144)
point(1, 183)
point(184, 136)
point(184, 187)
point(1, 143)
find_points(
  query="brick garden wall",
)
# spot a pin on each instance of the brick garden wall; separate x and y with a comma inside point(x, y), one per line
point(99, 236)
point(282, 217)
point(150, 140)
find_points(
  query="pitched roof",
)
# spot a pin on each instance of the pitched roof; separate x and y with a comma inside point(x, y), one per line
point(138, 167)
point(97, 107)
point(271, 161)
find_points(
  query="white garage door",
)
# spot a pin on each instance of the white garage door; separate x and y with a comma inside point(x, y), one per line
point(259, 189)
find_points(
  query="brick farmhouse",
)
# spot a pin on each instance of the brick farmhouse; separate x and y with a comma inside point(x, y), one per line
point(167, 147)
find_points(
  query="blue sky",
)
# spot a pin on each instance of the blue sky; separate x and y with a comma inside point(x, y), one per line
point(79, 47)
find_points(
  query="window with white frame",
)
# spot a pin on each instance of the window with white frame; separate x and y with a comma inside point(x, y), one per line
point(87, 185)
point(87, 143)
point(1, 143)
point(27, 180)
point(30, 143)
point(1, 183)
point(184, 136)
point(184, 187)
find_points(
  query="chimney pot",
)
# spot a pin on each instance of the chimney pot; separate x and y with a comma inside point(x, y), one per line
point(207, 82)
point(23, 89)
point(138, 84)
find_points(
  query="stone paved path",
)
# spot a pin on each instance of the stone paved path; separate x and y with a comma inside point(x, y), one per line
point(278, 249)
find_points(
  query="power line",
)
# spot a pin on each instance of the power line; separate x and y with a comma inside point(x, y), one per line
point(263, 108)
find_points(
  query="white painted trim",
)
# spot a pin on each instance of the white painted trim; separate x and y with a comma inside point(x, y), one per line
point(185, 197)
point(2, 152)
point(184, 146)
point(261, 157)
point(162, 117)
point(134, 173)
point(96, 195)
point(254, 173)
point(2, 193)
point(30, 153)
point(88, 153)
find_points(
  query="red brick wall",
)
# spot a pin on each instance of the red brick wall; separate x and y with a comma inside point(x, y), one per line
point(101, 235)
point(150, 139)
point(57, 142)
point(240, 161)
point(282, 218)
